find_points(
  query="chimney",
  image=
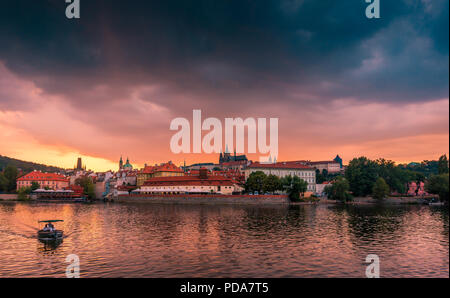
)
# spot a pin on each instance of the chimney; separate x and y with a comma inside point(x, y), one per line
point(203, 173)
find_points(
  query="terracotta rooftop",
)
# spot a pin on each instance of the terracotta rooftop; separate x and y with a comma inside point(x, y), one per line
point(147, 170)
point(166, 167)
point(234, 163)
point(281, 165)
point(39, 176)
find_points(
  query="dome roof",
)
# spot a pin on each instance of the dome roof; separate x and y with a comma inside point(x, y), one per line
point(127, 164)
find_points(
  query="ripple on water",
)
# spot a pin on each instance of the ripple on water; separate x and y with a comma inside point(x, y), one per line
point(147, 240)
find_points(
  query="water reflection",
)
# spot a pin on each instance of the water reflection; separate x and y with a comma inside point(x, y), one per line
point(372, 222)
point(49, 245)
point(147, 240)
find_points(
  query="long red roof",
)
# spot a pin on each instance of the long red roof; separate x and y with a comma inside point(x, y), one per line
point(39, 176)
point(281, 165)
point(322, 162)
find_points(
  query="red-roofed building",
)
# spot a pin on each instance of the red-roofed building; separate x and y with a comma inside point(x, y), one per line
point(50, 180)
point(201, 184)
point(144, 174)
point(416, 189)
point(286, 168)
point(299, 165)
point(168, 170)
point(233, 174)
point(163, 170)
point(235, 165)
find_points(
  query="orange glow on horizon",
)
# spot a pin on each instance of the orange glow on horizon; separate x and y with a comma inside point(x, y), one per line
point(51, 131)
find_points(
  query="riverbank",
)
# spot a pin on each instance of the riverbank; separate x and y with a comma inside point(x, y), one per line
point(218, 199)
point(258, 199)
point(395, 200)
point(8, 197)
point(205, 199)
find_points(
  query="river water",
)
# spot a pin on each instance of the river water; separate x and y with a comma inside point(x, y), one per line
point(149, 240)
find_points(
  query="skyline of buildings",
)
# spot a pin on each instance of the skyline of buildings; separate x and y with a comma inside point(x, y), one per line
point(331, 168)
point(227, 176)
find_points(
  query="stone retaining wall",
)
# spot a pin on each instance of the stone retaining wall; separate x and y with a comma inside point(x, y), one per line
point(8, 197)
point(206, 199)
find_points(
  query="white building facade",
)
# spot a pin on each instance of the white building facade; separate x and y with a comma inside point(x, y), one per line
point(189, 184)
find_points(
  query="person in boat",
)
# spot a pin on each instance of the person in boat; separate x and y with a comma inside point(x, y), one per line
point(49, 228)
point(46, 228)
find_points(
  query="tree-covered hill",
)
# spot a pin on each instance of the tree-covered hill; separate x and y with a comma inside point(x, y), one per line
point(26, 166)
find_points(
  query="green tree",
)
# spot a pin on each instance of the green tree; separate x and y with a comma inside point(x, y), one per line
point(443, 165)
point(271, 184)
point(361, 174)
point(380, 189)
point(419, 177)
point(339, 190)
point(255, 181)
point(438, 184)
point(90, 191)
point(88, 187)
point(83, 182)
point(10, 176)
point(3, 182)
point(22, 193)
point(294, 186)
point(320, 178)
point(34, 185)
point(426, 167)
point(395, 176)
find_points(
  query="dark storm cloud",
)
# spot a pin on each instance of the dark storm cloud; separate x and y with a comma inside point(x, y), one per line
point(218, 53)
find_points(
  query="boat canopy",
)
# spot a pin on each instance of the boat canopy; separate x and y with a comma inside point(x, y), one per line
point(52, 220)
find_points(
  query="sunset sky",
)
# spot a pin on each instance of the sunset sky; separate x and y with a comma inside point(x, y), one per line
point(109, 84)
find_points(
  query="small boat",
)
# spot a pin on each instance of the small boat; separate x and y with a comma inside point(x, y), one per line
point(49, 233)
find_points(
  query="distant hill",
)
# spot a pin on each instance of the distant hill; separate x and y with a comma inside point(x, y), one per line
point(26, 166)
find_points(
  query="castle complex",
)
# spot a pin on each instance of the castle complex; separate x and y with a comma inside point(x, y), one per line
point(227, 157)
